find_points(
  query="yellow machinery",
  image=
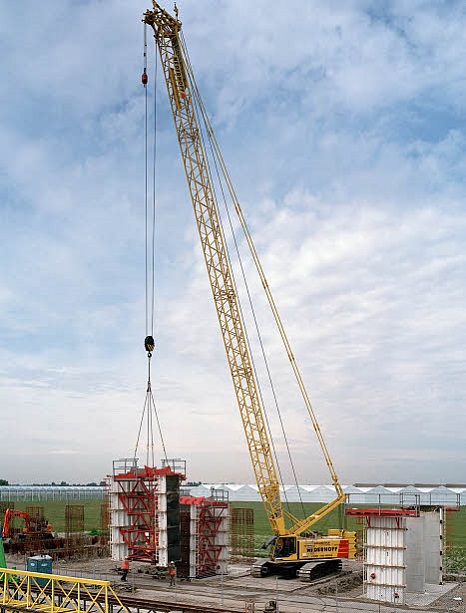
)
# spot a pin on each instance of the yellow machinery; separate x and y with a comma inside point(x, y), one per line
point(294, 546)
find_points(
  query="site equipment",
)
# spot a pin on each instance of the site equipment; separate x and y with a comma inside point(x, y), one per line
point(33, 525)
point(294, 548)
point(2, 555)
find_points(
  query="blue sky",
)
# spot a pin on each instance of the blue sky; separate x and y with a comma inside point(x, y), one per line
point(343, 130)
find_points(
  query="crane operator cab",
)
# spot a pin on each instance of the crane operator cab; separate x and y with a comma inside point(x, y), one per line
point(284, 548)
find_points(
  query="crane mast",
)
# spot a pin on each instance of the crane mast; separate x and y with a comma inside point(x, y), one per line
point(181, 93)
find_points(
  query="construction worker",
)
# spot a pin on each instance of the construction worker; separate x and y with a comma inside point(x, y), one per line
point(124, 569)
point(172, 573)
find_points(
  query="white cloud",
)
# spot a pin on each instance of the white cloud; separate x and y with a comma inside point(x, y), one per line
point(344, 135)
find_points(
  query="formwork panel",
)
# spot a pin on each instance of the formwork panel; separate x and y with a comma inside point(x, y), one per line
point(425, 550)
point(415, 574)
point(183, 566)
point(433, 546)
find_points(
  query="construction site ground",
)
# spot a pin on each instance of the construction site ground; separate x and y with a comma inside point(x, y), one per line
point(241, 592)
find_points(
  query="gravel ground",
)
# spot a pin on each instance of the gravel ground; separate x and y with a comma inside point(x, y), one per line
point(348, 586)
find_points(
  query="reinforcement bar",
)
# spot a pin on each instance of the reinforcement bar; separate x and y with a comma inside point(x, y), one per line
point(22, 590)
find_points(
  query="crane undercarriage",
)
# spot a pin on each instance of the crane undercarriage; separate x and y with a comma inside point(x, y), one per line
point(305, 571)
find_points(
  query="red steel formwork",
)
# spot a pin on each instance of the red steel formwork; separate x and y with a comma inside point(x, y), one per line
point(208, 535)
point(138, 491)
point(210, 519)
point(140, 502)
point(380, 512)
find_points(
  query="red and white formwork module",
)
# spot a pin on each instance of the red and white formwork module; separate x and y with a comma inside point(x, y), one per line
point(204, 536)
point(402, 551)
point(144, 511)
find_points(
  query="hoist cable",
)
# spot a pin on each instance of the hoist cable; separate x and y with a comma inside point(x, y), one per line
point(149, 408)
point(153, 405)
point(146, 179)
point(159, 427)
point(140, 428)
point(145, 409)
point(154, 198)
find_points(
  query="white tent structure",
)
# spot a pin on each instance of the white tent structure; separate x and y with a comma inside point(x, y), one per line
point(387, 494)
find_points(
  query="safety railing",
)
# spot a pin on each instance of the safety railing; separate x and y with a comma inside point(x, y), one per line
point(48, 593)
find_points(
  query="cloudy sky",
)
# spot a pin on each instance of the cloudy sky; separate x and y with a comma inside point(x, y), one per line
point(343, 127)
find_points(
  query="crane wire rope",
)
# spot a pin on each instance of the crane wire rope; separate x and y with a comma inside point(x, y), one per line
point(264, 358)
point(154, 193)
point(150, 407)
point(204, 125)
point(253, 312)
point(279, 324)
point(240, 307)
point(215, 157)
point(146, 179)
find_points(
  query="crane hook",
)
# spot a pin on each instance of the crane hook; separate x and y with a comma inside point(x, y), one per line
point(149, 345)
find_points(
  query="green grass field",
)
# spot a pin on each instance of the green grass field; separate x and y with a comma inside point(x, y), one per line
point(336, 519)
point(456, 533)
point(55, 513)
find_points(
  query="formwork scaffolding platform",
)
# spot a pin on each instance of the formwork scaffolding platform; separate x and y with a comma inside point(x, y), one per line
point(204, 536)
point(144, 511)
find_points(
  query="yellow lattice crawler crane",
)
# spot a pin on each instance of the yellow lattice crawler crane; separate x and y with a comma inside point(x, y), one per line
point(294, 547)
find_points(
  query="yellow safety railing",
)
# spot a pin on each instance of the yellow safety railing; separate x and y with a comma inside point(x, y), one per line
point(20, 589)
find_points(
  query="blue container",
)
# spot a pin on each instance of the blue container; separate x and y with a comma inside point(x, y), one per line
point(40, 564)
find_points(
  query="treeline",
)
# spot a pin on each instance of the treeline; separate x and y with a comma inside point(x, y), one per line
point(61, 484)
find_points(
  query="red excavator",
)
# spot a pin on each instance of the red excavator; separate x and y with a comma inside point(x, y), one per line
point(34, 526)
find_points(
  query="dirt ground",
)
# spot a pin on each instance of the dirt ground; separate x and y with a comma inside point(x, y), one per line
point(348, 586)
